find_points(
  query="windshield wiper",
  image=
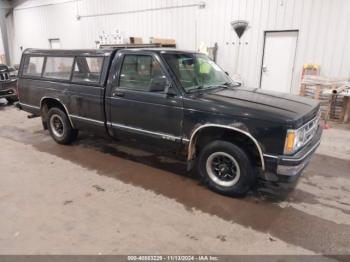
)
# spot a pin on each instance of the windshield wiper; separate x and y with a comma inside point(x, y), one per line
point(230, 84)
point(195, 88)
point(207, 87)
point(224, 85)
point(236, 84)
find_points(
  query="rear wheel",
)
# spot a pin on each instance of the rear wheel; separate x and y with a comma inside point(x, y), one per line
point(59, 127)
point(225, 168)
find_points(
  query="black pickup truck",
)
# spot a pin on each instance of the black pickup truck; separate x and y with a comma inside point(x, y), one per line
point(178, 100)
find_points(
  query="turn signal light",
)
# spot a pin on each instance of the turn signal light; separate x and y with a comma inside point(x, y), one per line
point(290, 142)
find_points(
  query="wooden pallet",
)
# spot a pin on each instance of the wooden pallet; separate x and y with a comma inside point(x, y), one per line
point(331, 104)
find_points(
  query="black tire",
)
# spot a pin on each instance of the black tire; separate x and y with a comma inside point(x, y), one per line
point(11, 100)
point(236, 182)
point(59, 127)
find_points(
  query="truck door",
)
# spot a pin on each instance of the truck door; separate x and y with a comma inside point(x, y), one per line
point(139, 104)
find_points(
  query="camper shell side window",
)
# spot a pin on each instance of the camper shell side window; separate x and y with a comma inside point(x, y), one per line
point(79, 69)
point(58, 67)
point(33, 66)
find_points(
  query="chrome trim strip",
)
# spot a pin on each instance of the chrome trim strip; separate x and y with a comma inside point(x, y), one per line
point(304, 156)
point(190, 150)
point(162, 135)
point(88, 119)
point(35, 107)
point(58, 100)
point(295, 159)
point(271, 156)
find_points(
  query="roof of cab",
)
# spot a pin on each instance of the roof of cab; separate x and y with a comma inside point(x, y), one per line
point(161, 50)
point(69, 52)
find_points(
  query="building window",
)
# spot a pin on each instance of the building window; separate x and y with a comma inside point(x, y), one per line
point(87, 69)
point(33, 66)
point(55, 43)
point(58, 67)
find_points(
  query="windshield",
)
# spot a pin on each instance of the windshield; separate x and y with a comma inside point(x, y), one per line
point(197, 71)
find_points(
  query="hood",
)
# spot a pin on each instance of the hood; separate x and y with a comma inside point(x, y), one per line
point(261, 104)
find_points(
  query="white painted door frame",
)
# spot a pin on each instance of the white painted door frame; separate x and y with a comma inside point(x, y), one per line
point(266, 33)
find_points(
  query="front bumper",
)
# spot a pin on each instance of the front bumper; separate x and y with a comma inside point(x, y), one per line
point(11, 92)
point(8, 88)
point(288, 168)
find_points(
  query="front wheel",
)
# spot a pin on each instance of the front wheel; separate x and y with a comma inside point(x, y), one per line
point(225, 168)
point(11, 100)
point(59, 127)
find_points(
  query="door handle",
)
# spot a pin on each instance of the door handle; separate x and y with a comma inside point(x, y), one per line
point(118, 93)
point(264, 69)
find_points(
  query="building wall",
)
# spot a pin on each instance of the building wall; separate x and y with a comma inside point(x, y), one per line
point(324, 28)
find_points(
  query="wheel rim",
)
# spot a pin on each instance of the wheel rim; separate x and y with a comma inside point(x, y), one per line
point(223, 169)
point(57, 125)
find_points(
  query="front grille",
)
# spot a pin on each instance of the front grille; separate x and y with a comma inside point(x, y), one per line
point(4, 76)
point(310, 128)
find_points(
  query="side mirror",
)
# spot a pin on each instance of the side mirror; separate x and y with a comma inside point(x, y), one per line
point(170, 91)
point(238, 84)
point(158, 84)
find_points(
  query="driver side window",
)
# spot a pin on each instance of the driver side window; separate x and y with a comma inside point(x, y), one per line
point(141, 73)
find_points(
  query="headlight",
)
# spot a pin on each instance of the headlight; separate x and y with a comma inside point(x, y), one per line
point(13, 72)
point(293, 141)
point(297, 138)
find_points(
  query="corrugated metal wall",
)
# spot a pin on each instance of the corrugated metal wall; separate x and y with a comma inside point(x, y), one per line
point(324, 28)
